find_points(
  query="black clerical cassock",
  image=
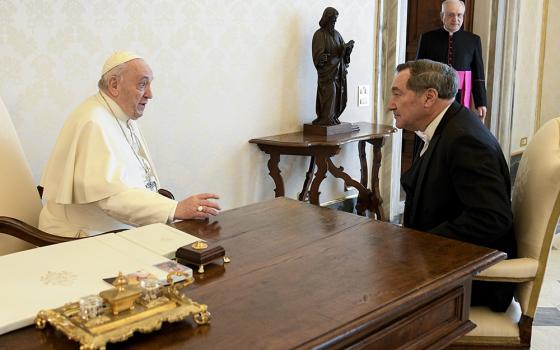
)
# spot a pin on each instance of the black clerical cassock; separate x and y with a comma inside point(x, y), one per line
point(463, 51)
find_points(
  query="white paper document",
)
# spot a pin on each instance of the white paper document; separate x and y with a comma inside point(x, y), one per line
point(159, 238)
point(48, 277)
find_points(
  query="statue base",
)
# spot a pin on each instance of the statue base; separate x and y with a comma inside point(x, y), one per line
point(328, 130)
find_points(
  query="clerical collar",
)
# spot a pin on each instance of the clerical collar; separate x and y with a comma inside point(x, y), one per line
point(430, 130)
point(114, 107)
point(448, 32)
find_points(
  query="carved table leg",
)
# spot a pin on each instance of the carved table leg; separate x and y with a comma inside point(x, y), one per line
point(320, 175)
point(274, 172)
point(363, 163)
point(376, 201)
point(308, 176)
point(363, 193)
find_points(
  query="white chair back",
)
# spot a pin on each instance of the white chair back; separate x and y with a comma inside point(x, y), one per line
point(19, 198)
point(536, 206)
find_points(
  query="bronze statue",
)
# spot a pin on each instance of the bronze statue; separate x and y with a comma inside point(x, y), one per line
point(331, 57)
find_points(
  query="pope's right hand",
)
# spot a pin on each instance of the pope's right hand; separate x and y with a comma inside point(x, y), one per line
point(198, 206)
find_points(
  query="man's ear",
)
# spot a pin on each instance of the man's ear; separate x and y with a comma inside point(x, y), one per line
point(112, 86)
point(430, 97)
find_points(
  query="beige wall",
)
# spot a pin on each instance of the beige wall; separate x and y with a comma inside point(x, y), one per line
point(536, 87)
point(550, 99)
point(536, 76)
point(225, 72)
point(482, 19)
point(527, 72)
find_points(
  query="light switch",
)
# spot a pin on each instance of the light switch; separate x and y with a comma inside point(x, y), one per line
point(363, 95)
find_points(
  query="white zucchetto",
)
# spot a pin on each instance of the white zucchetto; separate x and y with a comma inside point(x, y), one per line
point(118, 58)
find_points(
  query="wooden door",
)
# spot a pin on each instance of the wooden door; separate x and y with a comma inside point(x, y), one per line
point(423, 16)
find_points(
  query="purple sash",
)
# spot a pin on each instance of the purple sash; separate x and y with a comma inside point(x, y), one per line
point(465, 83)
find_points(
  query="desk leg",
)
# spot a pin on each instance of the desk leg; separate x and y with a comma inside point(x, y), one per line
point(320, 175)
point(274, 172)
point(363, 163)
point(363, 192)
point(376, 200)
point(308, 176)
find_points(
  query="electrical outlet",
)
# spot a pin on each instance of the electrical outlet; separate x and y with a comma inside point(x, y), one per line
point(523, 142)
point(363, 95)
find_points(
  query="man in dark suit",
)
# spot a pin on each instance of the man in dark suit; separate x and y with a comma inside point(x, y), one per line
point(459, 49)
point(458, 185)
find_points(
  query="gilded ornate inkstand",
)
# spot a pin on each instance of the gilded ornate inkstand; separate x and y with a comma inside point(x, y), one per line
point(115, 314)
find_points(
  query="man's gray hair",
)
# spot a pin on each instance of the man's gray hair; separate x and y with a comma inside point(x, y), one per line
point(103, 83)
point(426, 74)
point(444, 4)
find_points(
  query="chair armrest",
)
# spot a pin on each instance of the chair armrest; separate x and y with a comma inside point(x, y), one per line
point(166, 193)
point(115, 231)
point(512, 270)
point(28, 233)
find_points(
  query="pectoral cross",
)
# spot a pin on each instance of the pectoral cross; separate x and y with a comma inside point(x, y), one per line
point(151, 183)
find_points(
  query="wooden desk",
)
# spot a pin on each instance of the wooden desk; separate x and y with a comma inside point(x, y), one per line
point(321, 149)
point(303, 276)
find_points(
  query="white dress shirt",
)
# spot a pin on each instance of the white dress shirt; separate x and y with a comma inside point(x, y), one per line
point(428, 133)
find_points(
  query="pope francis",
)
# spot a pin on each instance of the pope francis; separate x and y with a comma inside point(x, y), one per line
point(100, 176)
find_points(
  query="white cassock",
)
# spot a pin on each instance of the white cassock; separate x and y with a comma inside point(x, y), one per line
point(98, 175)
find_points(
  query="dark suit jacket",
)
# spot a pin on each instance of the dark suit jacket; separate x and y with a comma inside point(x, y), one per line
point(466, 54)
point(460, 188)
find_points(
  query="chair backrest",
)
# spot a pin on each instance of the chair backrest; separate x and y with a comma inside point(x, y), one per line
point(536, 206)
point(18, 195)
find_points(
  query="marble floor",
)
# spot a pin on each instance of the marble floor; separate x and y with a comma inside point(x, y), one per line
point(546, 326)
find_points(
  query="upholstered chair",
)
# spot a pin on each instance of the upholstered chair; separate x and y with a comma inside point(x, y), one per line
point(536, 207)
point(20, 202)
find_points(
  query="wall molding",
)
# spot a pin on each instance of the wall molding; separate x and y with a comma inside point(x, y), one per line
point(542, 53)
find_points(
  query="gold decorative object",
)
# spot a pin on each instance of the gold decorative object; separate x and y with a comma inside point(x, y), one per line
point(200, 254)
point(199, 245)
point(124, 313)
point(122, 297)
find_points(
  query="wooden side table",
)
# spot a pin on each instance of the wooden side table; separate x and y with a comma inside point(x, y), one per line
point(321, 149)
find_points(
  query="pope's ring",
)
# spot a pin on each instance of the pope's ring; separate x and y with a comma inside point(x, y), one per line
point(200, 208)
